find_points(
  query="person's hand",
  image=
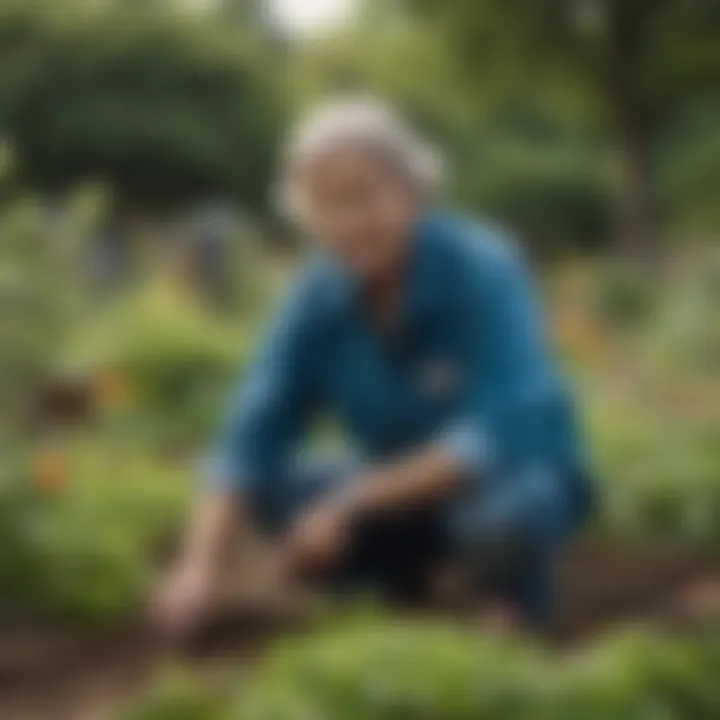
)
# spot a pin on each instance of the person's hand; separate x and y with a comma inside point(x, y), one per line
point(318, 539)
point(184, 599)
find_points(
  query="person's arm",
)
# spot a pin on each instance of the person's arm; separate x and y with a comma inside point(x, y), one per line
point(509, 378)
point(276, 399)
point(422, 478)
point(508, 371)
point(186, 595)
point(268, 416)
point(213, 525)
point(512, 383)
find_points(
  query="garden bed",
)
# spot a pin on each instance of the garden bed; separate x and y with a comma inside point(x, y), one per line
point(61, 674)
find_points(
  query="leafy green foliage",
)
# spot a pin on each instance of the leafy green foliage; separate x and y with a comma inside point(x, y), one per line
point(81, 531)
point(650, 384)
point(162, 105)
point(178, 696)
point(641, 66)
point(173, 362)
point(384, 670)
point(552, 192)
point(40, 292)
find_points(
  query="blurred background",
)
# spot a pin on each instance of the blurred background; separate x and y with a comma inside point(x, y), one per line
point(140, 254)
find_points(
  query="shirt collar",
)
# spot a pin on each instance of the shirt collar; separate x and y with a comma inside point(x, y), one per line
point(420, 291)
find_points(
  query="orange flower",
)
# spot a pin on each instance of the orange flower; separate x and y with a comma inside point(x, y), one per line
point(49, 471)
point(580, 336)
point(113, 389)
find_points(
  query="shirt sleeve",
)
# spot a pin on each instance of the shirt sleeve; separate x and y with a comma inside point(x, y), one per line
point(275, 401)
point(509, 372)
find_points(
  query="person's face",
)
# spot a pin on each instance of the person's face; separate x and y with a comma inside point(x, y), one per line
point(358, 209)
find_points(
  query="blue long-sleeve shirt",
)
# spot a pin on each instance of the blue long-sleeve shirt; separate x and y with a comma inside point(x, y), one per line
point(466, 367)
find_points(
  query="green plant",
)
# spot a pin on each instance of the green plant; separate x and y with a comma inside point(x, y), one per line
point(178, 696)
point(41, 291)
point(81, 532)
point(380, 669)
point(171, 362)
point(166, 106)
point(395, 670)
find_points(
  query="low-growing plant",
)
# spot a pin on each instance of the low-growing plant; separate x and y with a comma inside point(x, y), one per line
point(164, 362)
point(177, 695)
point(394, 670)
point(82, 525)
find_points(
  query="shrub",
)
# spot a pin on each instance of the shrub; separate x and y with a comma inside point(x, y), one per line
point(659, 474)
point(81, 527)
point(41, 292)
point(555, 197)
point(647, 367)
point(162, 365)
point(166, 106)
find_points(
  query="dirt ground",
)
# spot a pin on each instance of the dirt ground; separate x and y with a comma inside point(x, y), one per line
point(59, 675)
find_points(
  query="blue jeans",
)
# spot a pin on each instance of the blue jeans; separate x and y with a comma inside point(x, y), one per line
point(507, 531)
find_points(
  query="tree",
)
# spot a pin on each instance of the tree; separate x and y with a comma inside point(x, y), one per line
point(165, 106)
point(639, 61)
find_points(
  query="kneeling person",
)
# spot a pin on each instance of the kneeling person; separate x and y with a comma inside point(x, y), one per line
point(420, 332)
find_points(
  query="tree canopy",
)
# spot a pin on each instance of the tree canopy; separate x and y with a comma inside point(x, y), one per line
point(641, 63)
point(162, 105)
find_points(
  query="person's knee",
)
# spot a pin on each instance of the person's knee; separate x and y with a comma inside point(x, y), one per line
point(529, 511)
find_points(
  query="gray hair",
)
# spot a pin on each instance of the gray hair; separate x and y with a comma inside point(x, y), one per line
point(366, 122)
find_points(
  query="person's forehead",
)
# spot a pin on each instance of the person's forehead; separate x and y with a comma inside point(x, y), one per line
point(350, 157)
